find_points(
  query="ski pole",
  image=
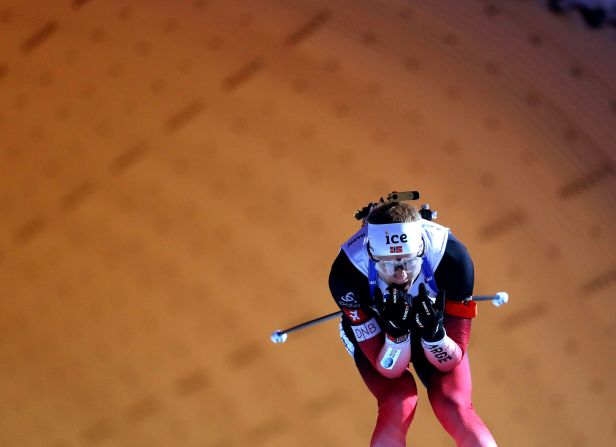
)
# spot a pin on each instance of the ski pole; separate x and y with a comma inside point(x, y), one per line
point(280, 336)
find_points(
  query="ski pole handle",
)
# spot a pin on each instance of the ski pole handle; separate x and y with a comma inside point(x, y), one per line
point(280, 336)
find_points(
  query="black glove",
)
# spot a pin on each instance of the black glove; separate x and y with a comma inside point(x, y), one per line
point(429, 317)
point(395, 312)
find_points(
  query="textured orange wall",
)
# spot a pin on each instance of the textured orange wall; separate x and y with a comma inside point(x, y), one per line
point(176, 177)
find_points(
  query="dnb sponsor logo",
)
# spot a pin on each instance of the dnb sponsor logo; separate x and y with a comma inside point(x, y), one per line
point(366, 331)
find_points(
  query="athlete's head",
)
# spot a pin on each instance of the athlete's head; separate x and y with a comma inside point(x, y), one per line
point(395, 242)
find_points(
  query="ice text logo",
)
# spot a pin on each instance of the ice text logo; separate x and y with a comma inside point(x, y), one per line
point(396, 238)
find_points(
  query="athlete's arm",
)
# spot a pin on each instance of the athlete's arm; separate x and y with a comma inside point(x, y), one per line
point(455, 273)
point(455, 276)
point(350, 289)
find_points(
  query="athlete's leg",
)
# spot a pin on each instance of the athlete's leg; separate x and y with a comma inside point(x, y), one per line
point(450, 395)
point(397, 400)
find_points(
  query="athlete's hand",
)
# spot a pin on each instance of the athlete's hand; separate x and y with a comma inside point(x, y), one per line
point(429, 317)
point(395, 312)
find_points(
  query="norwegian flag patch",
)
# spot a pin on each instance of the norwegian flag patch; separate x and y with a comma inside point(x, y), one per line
point(356, 316)
point(396, 249)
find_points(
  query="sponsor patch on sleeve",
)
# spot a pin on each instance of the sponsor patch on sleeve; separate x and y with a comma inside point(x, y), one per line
point(348, 300)
point(389, 359)
point(366, 330)
point(357, 316)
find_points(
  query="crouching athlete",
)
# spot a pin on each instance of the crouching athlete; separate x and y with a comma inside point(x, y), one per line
point(403, 284)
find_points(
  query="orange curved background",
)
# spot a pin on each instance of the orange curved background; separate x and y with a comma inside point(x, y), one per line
point(176, 178)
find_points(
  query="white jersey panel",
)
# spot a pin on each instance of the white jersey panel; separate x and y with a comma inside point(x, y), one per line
point(434, 236)
point(356, 249)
